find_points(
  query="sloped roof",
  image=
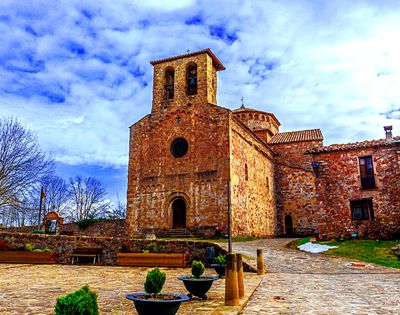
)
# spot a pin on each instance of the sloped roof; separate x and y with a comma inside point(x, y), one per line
point(218, 65)
point(297, 136)
point(355, 145)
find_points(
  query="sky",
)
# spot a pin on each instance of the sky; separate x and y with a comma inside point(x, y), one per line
point(77, 73)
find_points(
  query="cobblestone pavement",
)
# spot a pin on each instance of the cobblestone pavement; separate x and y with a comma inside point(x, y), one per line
point(34, 289)
point(303, 283)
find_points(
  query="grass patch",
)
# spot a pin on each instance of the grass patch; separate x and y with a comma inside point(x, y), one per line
point(298, 242)
point(372, 251)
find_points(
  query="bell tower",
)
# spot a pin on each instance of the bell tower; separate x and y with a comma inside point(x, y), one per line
point(189, 78)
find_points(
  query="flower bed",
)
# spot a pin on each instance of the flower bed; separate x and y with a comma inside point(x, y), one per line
point(153, 259)
point(24, 257)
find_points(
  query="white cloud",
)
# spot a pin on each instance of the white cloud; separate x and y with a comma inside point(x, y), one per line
point(78, 72)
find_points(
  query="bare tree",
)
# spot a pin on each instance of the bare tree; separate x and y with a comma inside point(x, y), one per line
point(117, 211)
point(88, 195)
point(22, 163)
point(57, 193)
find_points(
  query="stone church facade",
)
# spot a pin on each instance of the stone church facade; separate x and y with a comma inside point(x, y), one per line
point(185, 152)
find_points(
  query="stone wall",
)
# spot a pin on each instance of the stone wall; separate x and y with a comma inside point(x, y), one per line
point(100, 227)
point(265, 125)
point(252, 184)
point(156, 178)
point(19, 229)
point(106, 227)
point(339, 183)
point(65, 245)
point(296, 191)
point(206, 83)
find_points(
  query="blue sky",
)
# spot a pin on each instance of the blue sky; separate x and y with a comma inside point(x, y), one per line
point(77, 72)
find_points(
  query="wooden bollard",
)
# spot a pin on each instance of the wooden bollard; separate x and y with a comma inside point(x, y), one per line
point(231, 281)
point(260, 262)
point(239, 266)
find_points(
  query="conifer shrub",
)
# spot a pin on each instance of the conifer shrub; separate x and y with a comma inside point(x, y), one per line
point(80, 302)
point(220, 260)
point(155, 280)
point(197, 268)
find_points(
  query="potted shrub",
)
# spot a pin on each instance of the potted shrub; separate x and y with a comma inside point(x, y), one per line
point(220, 265)
point(152, 302)
point(196, 284)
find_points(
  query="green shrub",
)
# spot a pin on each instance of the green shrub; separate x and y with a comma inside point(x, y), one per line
point(38, 232)
point(81, 302)
point(155, 248)
point(197, 268)
point(220, 260)
point(85, 223)
point(30, 247)
point(154, 281)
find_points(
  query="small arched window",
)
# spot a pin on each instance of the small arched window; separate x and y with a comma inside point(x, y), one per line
point(246, 172)
point(169, 83)
point(191, 79)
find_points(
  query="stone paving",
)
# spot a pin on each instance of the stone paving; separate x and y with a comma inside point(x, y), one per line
point(303, 283)
point(296, 283)
point(34, 289)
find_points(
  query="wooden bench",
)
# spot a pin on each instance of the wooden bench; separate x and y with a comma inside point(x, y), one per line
point(153, 259)
point(86, 252)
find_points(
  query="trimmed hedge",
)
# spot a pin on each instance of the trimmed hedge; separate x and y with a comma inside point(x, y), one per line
point(81, 302)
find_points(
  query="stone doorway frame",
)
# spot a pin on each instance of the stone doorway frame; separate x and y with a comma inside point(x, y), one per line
point(169, 210)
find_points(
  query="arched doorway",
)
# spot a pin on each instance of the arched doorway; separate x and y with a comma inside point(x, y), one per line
point(288, 225)
point(178, 213)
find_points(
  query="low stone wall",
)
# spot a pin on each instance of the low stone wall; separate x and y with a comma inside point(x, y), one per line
point(112, 228)
point(65, 245)
point(18, 229)
point(106, 227)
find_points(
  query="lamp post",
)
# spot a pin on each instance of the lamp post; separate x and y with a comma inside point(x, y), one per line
point(229, 219)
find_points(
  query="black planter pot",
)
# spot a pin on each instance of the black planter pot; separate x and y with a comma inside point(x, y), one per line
point(198, 286)
point(220, 269)
point(156, 307)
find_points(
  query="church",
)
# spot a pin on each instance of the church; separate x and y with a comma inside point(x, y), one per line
point(191, 159)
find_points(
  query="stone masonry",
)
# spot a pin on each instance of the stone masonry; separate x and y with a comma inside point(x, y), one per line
point(339, 183)
point(185, 152)
point(219, 146)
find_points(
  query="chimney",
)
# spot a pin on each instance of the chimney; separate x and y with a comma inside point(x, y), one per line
point(388, 132)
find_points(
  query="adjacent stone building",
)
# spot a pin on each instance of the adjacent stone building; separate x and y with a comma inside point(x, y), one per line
point(185, 152)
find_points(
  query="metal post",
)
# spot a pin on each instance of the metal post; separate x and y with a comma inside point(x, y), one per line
point(229, 219)
point(40, 207)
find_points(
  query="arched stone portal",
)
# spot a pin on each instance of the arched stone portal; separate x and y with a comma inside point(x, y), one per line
point(178, 213)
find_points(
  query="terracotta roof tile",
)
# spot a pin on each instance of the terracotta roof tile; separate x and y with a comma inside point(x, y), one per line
point(297, 136)
point(355, 145)
point(215, 60)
